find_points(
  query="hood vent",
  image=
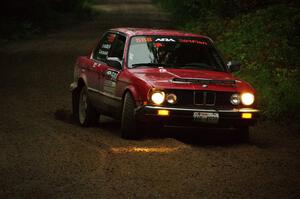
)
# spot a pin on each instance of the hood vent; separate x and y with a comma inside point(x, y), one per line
point(204, 81)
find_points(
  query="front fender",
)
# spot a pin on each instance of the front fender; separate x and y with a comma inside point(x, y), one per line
point(137, 98)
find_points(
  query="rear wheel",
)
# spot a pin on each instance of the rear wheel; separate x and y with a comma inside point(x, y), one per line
point(75, 101)
point(83, 110)
point(129, 125)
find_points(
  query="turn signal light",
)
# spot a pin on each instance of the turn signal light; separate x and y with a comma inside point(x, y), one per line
point(163, 112)
point(246, 115)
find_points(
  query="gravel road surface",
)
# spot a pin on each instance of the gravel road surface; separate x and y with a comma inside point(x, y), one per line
point(44, 154)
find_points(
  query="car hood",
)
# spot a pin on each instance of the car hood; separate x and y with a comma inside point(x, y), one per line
point(190, 79)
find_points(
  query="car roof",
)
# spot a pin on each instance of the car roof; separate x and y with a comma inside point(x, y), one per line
point(149, 31)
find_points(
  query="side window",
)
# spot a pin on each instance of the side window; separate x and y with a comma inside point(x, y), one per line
point(102, 50)
point(118, 47)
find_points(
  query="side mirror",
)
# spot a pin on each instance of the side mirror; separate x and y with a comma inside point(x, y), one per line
point(234, 66)
point(114, 62)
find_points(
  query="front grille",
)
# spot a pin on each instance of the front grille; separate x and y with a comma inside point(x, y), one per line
point(190, 98)
point(206, 98)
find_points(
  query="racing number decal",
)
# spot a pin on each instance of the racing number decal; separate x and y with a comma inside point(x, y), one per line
point(95, 65)
point(111, 75)
point(110, 81)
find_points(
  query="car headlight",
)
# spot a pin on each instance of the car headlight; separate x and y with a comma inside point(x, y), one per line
point(171, 98)
point(247, 98)
point(158, 97)
point(235, 99)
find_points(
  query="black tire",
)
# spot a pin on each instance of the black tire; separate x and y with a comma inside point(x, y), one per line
point(83, 111)
point(75, 101)
point(129, 127)
point(243, 134)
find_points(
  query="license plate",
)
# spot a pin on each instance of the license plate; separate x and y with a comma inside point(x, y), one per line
point(206, 117)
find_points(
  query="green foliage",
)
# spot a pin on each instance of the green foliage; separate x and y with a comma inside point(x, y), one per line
point(188, 10)
point(264, 42)
point(265, 37)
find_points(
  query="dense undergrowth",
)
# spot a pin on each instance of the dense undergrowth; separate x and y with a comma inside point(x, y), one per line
point(264, 35)
point(21, 19)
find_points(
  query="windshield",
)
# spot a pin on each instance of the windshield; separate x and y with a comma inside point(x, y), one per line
point(174, 52)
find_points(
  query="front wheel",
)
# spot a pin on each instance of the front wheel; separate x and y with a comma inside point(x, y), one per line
point(85, 113)
point(129, 126)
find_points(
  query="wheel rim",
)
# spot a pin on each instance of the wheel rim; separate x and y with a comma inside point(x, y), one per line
point(82, 106)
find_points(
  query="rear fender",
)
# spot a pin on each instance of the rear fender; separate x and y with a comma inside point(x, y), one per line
point(79, 83)
point(82, 79)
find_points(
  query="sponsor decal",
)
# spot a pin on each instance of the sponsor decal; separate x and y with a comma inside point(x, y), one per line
point(106, 46)
point(102, 52)
point(111, 75)
point(143, 40)
point(96, 65)
point(110, 81)
point(164, 40)
point(193, 41)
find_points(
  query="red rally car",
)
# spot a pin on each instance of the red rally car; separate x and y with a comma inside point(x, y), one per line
point(160, 77)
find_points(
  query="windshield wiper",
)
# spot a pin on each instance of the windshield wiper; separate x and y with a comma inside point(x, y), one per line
point(148, 64)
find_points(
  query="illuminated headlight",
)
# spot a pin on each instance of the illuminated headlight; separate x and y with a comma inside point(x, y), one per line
point(235, 99)
point(247, 98)
point(158, 97)
point(171, 98)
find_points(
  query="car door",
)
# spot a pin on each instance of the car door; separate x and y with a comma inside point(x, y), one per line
point(97, 67)
point(112, 101)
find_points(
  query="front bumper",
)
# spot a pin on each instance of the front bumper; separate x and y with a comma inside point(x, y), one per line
point(227, 118)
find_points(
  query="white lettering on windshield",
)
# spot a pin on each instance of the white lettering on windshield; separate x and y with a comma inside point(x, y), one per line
point(164, 40)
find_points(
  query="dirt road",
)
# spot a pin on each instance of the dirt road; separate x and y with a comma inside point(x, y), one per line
point(43, 154)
